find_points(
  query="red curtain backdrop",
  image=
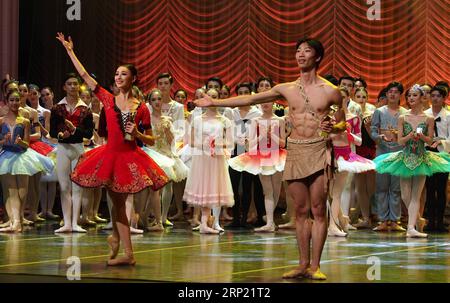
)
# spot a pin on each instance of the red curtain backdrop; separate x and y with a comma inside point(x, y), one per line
point(240, 40)
point(9, 37)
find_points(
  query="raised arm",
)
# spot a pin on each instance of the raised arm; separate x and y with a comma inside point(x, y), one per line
point(68, 45)
point(244, 100)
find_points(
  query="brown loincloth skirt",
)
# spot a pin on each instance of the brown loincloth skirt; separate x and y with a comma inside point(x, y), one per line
point(307, 157)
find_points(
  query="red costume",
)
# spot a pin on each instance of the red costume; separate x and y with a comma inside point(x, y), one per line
point(119, 165)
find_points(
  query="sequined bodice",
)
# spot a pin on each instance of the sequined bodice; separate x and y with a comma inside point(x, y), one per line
point(15, 130)
point(414, 150)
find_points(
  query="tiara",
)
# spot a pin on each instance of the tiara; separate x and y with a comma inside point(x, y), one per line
point(417, 88)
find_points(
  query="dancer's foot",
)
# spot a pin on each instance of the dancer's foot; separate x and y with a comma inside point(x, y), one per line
point(14, 227)
point(64, 229)
point(126, 260)
point(315, 275)
point(194, 222)
point(289, 225)
point(395, 227)
point(336, 232)
point(51, 216)
point(156, 227)
point(412, 233)
point(167, 223)
point(363, 224)
point(6, 224)
point(99, 220)
point(135, 230)
point(219, 228)
point(36, 219)
point(196, 228)
point(114, 245)
point(78, 229)
point(382, 227)
point(27, 222)
point(297, 272)
point(268, 228)
point(421, 224)
point(88, 223)
point(208, 230)
point(108, 226)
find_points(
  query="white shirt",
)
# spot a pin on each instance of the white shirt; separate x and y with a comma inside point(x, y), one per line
point(443, 126)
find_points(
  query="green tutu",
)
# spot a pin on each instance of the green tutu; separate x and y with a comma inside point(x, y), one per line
point(408, 165)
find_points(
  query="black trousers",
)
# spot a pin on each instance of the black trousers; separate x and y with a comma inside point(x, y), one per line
point(242, 204)
point(436, 186)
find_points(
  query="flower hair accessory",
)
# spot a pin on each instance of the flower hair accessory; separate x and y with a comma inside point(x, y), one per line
point(417, 88)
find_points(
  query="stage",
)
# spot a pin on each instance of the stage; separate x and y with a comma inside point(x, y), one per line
point(180, 255)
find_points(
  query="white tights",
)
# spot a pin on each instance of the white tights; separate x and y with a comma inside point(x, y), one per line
point(411, 190)
point(271, 187)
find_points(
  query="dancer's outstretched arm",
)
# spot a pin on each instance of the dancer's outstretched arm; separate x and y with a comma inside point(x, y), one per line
point(68, 44)
point(244, 100)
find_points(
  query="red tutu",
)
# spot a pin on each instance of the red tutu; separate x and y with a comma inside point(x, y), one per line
point(119, 165)
point(120, 171)
point(41, 147)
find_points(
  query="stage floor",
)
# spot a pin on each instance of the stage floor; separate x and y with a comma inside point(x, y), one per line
point(180, 255)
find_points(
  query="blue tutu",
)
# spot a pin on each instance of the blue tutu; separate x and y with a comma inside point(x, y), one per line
point(27, 163)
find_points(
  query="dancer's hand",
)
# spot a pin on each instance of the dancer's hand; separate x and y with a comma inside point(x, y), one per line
point(7, 137)
point(205, 101)
point(68, 44)
point(326, 126)
point(436, 143)
point(131, 129)
point(70, 125)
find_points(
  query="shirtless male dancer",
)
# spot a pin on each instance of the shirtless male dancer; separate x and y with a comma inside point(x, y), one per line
point(308, 162)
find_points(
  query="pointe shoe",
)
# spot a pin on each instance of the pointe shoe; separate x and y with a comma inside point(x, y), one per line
point(156, 227)
point(421, 224)
point(78, 229)
point(395, 227)
point(219, 228)
point(289, 225)
point(284, 216)
point(167, 223)
point(64, 229)
point(113, 246)
point(99, 220)
point(126, 260)
point(196, 228)
point(412, 233)
point(208, 230)
point(135, 230)
point(61, 223)
point(382, 227)
point(315, 275)
point(335, 232)
point(194, 222)
point(36, 219)
point(268, 228)
point(297, 272)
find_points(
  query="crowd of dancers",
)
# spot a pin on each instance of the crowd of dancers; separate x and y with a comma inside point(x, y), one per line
point(149, 150)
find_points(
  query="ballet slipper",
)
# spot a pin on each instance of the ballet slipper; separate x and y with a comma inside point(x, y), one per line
point(412, 233)
point(156, 227)
point(27, 222)
point(135, 230)
point(6, 224)
point(395, 227)
point(14, 227)
point(219, 228)
point(88, 223)
point(126, 260)
point(363, 224)
point(114, 245)
point(51, 216)
point(336, 232)
point(289, 225)
point(167, 223)
point(297, 272)
point(64, 229)
point(78, 229)
point(207, 230)
point(315, 275)
point(268, 228)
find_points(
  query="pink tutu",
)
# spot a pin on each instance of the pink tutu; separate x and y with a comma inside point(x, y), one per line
point(348, 161)
point(262, 163)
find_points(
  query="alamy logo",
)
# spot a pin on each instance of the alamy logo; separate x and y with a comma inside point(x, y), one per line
point(374, 271)
point(74, 11)
point(374, 12)
point(74, 270)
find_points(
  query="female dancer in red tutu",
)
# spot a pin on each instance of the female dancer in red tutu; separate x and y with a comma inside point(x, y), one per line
point(119, 165)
